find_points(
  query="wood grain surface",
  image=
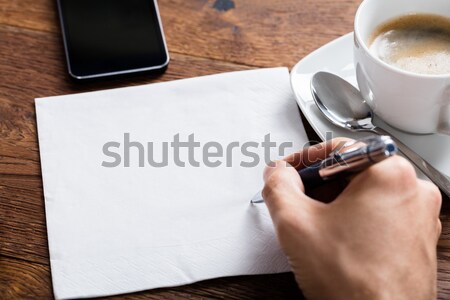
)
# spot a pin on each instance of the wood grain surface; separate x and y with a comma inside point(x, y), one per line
point(202, 39)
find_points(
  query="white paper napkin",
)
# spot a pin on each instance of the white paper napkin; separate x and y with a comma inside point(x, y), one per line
point(120, 229)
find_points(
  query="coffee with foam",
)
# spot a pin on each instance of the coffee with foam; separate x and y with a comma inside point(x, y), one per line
point(418, 43)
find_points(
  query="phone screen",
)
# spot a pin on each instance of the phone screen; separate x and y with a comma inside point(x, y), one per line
point(108, 37)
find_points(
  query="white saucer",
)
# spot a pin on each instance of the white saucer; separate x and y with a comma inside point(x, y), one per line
point(337, 57)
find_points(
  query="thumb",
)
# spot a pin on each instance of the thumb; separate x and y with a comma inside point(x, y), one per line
point(283, 193)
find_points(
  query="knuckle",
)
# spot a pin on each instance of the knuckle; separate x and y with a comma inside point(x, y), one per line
point(273, 183)
point(273, 180)
point(269, 169)
point(395, 171)
point(280, 176)
point(266, 192)
point(433, 190)
point(273, 167)
point(402, 168)
point(432, 194)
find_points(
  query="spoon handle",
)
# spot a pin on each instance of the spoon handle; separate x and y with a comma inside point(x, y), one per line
point(434, 175)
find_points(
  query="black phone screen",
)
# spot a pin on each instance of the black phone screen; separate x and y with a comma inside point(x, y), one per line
point(107, 37)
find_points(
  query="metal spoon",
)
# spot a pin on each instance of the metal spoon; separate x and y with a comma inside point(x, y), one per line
point(343, 105)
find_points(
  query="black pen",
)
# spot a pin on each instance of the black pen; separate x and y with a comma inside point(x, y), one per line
point(351, 158)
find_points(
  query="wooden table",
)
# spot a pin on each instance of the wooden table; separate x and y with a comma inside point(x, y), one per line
point(202, 39)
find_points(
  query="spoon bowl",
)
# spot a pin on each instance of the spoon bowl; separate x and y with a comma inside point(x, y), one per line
point(341, 103)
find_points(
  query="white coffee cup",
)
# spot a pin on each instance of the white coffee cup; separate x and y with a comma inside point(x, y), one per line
point(417, 103)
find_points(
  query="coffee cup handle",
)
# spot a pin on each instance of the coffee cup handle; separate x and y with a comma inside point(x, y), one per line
point(444, 119)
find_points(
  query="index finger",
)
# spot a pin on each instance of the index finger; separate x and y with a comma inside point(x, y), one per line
point(315, 153)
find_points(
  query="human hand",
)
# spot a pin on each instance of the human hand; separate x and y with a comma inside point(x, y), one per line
point(376, 240)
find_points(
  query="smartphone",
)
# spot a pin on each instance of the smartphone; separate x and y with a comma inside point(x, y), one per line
point(112, 37)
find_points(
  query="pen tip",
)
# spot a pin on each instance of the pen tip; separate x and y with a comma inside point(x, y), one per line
point(257, 201)
point(257, 198)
